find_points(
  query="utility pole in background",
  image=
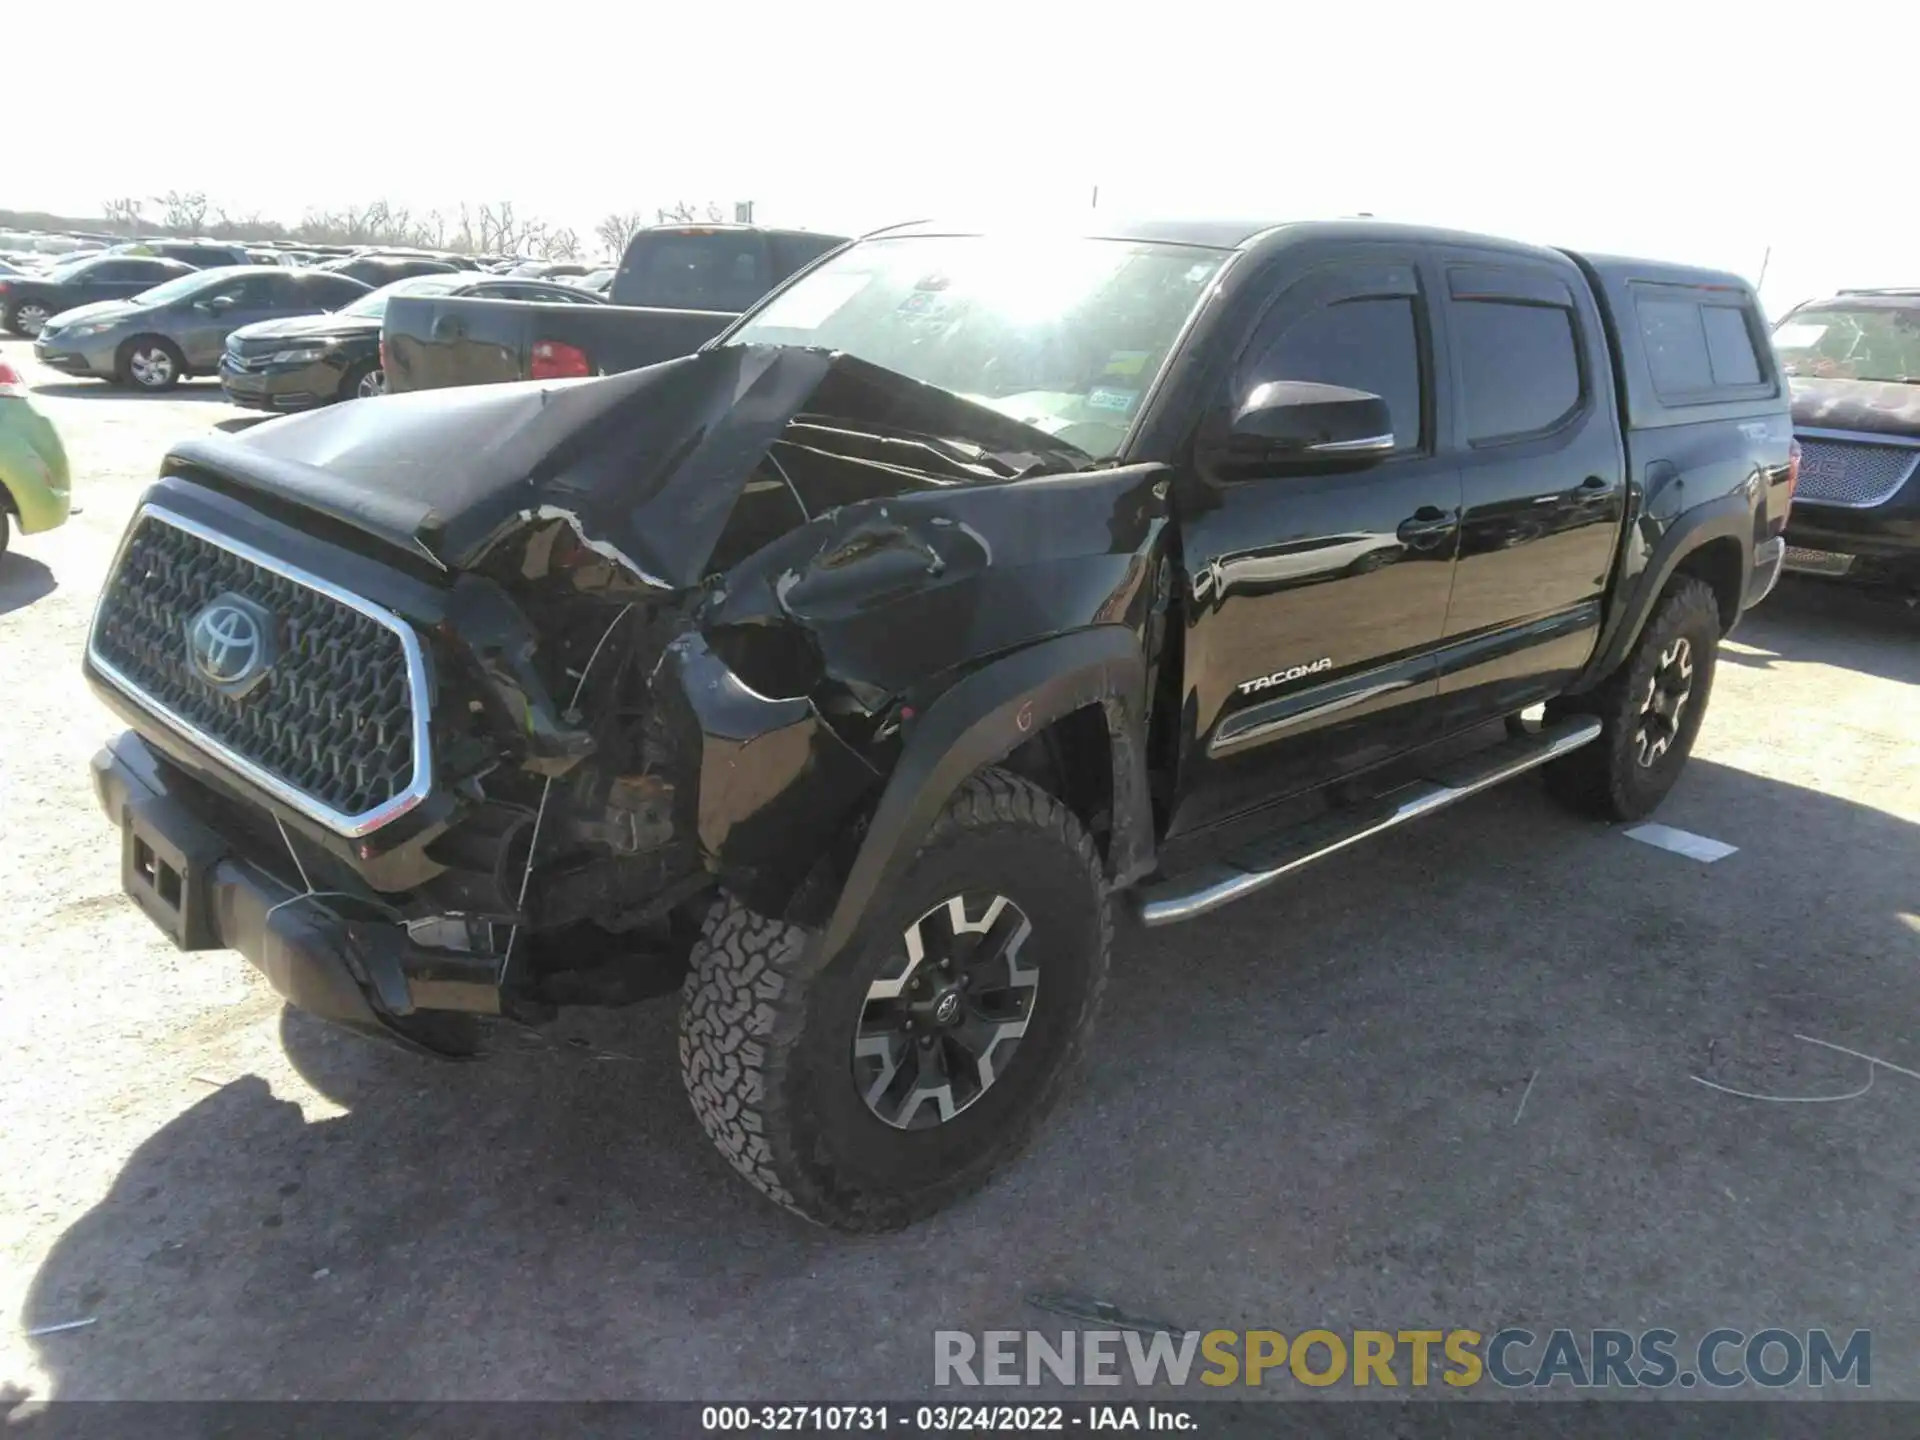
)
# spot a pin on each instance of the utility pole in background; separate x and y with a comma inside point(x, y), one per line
point(1096, 198)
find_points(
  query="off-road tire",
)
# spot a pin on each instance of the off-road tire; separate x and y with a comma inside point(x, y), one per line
point(766, 1029)
point(1605, 777)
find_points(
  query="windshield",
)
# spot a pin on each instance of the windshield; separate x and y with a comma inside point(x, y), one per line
point(374, 306)
point(1851, 342)
point(1063, 335)
point(181, 287)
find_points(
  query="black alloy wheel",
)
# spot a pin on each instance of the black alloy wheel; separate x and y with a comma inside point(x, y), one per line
point(934, 1035)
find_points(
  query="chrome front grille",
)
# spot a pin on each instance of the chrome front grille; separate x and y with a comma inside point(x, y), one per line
point(1855, 473)
point(239, 361)
point(336, 722)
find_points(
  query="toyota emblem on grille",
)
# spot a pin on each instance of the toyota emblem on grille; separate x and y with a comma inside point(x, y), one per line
point(230, 644)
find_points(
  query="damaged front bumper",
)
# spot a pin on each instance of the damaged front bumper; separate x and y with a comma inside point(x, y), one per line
point(626, 658)
point(365, 976)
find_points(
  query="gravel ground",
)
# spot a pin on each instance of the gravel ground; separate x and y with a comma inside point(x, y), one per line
point(1307, 1111)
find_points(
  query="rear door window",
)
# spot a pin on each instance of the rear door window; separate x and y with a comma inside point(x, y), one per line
point(1519, 367)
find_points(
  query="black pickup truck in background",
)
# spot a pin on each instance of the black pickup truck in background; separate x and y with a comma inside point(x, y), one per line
point(845, 673)
point(677, 287)
point(1854, 363)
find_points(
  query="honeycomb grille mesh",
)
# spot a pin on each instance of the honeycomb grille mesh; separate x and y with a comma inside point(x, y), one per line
point(1848, 472)
point(334, 716)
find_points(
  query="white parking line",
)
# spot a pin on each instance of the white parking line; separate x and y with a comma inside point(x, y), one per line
point(1682, 842)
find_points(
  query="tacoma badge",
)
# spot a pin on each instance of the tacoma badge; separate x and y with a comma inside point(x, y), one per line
point(1281, 677)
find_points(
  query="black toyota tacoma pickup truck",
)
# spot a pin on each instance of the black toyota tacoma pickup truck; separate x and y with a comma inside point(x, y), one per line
point(677, 287)
point(846, 674)
point(1854, 368)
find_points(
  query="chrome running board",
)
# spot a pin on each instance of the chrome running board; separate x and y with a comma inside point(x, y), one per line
point(1258, 865)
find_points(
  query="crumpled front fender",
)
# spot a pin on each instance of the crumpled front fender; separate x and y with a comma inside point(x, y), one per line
point(982, 720)
point(776, 783)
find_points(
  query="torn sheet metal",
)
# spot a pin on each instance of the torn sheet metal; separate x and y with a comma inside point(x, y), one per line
point(646, 466)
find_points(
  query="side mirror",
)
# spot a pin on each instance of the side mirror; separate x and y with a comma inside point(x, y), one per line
point(1302, 421)
point(218, 305)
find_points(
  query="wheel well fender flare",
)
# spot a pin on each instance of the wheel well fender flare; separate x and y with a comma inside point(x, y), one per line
point(1728, 517)
point(982, 719)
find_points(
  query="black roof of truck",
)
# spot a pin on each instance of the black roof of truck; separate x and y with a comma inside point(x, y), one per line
point(1257, 235)
point(1225, 234)
point(1617, 282)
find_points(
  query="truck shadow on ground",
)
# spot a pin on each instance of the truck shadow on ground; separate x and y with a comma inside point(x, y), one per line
point(1832, 624)
point(1445, 1081)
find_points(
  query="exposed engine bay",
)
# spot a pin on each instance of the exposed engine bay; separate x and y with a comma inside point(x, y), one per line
point(678, 623)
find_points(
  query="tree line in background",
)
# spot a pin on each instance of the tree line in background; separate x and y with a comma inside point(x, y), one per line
point(488, 228)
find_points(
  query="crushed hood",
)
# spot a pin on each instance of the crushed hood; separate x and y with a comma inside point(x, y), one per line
point(646, 465)
point(1873, 407)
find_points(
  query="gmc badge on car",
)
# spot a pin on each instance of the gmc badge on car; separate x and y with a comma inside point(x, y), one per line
point(1281, 677)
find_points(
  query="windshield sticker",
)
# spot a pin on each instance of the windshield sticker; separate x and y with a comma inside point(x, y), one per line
point(1118, 401)
point(927, 304)
point(1798, 336)
point(1125, 364)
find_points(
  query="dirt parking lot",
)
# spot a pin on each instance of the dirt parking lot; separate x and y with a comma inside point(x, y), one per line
point(1305, 1112)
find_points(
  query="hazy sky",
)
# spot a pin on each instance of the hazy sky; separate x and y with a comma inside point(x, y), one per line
point(1683, 131)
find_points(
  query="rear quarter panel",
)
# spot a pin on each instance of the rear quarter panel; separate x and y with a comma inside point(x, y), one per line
point(434, 341)
point(1706, 472)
